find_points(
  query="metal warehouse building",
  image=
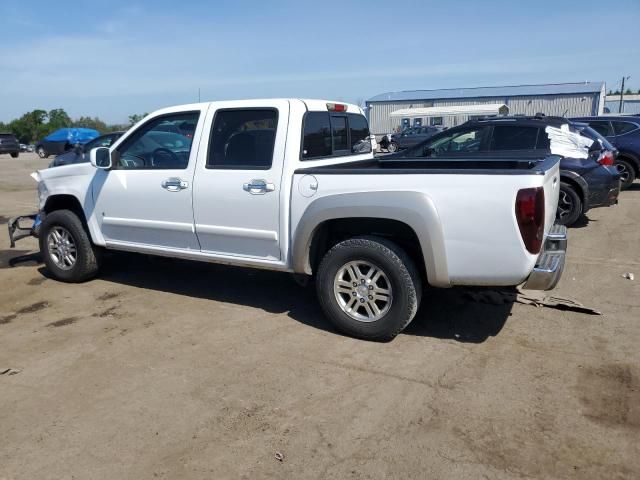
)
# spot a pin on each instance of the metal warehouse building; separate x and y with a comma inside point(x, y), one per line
point(388, 111)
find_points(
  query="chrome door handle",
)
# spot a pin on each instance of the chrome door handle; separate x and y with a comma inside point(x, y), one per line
point(174, 184)
point(258, 187)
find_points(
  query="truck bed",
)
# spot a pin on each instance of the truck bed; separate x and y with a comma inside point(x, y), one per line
point(504, 166)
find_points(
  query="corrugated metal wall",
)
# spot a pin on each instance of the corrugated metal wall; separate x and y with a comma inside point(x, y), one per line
point(381, 122)
point(628, 106)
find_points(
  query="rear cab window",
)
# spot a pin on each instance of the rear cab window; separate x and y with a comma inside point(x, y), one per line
point(334, 134)
point(513, 137)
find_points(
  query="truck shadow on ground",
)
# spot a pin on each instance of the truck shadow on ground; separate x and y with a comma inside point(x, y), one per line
point(445, 314)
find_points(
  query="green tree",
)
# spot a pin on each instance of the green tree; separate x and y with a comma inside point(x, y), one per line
point(30, 126)
point(88, 122)
point(58, 118)
point(133, 119)
point(628, 92)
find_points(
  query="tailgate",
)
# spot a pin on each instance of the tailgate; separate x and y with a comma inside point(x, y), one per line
point(551, 193)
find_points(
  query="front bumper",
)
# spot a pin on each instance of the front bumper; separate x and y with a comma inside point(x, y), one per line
point(18, 230)
point(550, 264)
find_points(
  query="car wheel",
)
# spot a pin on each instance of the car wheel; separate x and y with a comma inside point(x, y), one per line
point(569, 205)
point(42, 153)
point(393, 147)
point(627, 173)
point(66, 248)
point(369, 288)
point(15, 154)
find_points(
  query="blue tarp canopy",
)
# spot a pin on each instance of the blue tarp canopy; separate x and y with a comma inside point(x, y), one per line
point(73, 135)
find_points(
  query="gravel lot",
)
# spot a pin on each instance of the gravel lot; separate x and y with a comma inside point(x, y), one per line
point(173, 369)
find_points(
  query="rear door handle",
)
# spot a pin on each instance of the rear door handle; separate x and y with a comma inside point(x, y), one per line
point(174, 184)
point(258, 187)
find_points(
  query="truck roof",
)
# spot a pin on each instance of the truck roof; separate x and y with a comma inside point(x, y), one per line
point(310, 104)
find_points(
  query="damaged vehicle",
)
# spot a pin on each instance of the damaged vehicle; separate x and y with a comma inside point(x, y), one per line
point(287, 185)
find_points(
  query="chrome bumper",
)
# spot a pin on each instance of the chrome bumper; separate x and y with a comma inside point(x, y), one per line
point(550, 264)
point(18, 231)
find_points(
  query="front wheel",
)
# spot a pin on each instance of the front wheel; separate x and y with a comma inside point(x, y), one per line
point(569, 205)
point(627, 173)
point(393, 147)
point(369, 288)
point(42, 153)
point(66, 248)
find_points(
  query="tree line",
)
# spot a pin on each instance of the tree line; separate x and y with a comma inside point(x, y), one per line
point(37, 124)
point(628, 91)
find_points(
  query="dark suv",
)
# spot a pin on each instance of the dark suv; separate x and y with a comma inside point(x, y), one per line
point(584, 182)
point(624, 133)
point(410, 137)
point(9, 144)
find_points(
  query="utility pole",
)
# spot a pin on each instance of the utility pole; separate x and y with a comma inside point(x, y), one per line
point(622, 93)
point(199, 92)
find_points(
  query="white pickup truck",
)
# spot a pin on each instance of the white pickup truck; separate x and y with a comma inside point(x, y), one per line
point(292, 185)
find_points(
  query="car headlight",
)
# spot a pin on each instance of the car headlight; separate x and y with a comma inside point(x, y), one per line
point(42, 194)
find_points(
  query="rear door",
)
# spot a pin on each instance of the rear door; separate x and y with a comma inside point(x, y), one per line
point(236, 198)
point(604, 128)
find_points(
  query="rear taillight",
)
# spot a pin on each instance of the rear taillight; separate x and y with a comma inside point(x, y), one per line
point(336, 107)
point(530, 217)
point(606, 158)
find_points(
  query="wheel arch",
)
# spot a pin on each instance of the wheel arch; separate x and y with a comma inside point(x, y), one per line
point(408, 218)
point(635, 161)
point(579, 184)
point(65, 201)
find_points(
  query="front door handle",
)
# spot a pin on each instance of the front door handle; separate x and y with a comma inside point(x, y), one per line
point(174, 184)
point(258, 187)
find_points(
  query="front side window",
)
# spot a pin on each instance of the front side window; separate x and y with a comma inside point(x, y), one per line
point(603, 128)
point(463, 141)
point(243, 139)
point(623, 127)
point(513, 137)
point(156, 146)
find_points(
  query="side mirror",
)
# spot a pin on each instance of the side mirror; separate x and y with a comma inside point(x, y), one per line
point(100, 158)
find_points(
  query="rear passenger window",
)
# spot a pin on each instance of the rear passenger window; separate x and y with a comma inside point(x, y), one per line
point(359, 130)
point(325, 135)
point(513, 138)
point(243, 139)
point(603, 128)
point(623, 127)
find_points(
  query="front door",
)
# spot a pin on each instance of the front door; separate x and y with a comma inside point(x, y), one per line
point(145, 200)
point(236, 198)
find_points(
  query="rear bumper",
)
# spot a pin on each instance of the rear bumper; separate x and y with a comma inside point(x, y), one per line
point(18, 230)
point(550, 264)
point(9, 149)
point(604, 187)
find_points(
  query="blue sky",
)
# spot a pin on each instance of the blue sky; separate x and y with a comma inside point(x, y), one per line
point(112, 58)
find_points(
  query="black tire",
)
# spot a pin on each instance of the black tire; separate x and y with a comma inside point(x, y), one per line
point(87, 261)
point(627, 173)
point(569, 205)
point(15, 154)
point(393, 147)
point(399, 269)
point(42, 153)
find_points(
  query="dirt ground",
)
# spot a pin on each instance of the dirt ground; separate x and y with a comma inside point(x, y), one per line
point(174, 369)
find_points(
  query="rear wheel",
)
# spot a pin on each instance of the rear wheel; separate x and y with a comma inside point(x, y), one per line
point(627, 173)
point(42, 153)
point(369, 288)
point(66, 248)
point(393, 147)
point(15, 154)
point(569, 205)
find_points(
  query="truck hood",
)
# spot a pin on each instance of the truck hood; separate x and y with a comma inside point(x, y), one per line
point(73, 170)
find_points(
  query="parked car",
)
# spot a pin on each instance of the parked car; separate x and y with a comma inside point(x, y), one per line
point(9, 144)
point(410, 137)
point(23, 147)
point(585, 182)
point(80, 153)
point(277, 184)
point(63, 140)
point(624, 134)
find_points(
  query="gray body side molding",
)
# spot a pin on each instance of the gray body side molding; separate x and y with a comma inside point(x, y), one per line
point(412, 208)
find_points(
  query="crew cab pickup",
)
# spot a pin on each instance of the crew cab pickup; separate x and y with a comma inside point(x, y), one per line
point(292, 185)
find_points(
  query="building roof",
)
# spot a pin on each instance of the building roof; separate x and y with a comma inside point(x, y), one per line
point(484, 109)
point(509, 91)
